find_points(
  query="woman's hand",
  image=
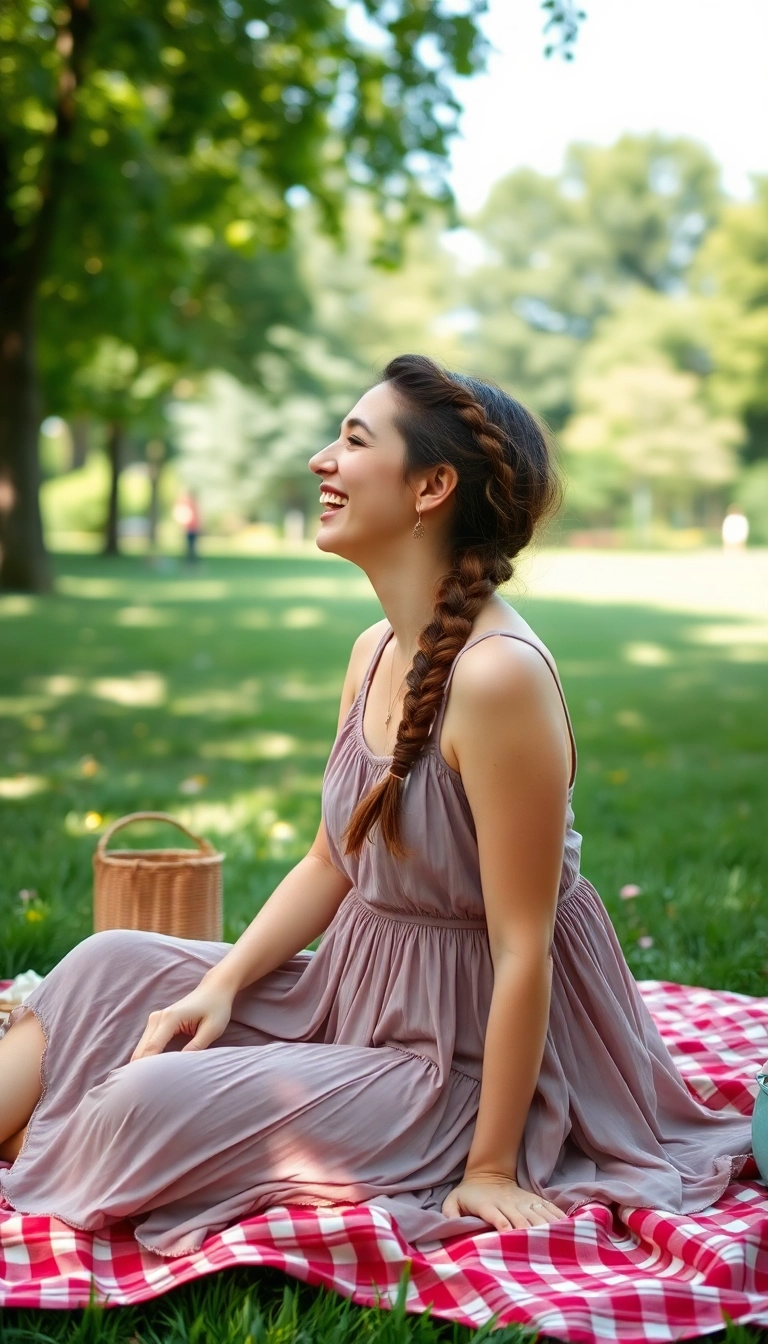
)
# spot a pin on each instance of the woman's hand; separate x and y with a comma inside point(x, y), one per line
point(203, 1015)
point(501, 1202)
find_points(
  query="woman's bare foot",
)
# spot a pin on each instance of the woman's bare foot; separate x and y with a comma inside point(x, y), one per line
point(10, 1150)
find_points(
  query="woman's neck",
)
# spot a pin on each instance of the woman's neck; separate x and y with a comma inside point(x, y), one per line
point(406, 592)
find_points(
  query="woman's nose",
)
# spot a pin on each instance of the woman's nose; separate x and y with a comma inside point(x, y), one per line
point(322, 462)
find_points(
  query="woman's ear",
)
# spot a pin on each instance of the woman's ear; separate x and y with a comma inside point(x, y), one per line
point(434, 489)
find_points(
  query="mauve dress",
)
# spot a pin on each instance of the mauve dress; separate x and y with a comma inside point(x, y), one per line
point(353, 1075)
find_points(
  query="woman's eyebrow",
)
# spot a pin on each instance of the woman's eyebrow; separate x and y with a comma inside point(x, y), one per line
point(355, 420)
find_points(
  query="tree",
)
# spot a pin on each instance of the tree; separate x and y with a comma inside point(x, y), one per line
point(641, 429)
point(562, 252)
point(732, 275)
point(194, 113)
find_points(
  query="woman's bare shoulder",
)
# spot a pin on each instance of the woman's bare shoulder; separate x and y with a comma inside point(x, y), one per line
point(363, 650)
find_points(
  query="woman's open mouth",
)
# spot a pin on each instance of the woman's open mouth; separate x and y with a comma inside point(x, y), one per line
point(331, 503)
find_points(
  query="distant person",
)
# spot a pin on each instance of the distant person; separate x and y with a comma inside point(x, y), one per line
point(187, 515)
point(735, 529)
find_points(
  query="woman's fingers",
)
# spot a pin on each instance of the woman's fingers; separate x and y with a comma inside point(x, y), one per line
point(160, 1029)
point(505, 1213)
point(207, 1032)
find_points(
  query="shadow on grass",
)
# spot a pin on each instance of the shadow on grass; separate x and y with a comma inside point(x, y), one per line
point(214, 695)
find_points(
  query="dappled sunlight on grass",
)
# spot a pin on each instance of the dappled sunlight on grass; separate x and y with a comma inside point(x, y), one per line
point(142, 617)
point(14, 604)
point(297, 688)
point(23, 786)
point(223, 708)
point(647, 655)
point(16, 706)
point(253, 747)
point(215, 703)
point(143, 688)
point(707, 581)
point(350, 585)
point(186, 589)
point(60, 684)
point(302, 618)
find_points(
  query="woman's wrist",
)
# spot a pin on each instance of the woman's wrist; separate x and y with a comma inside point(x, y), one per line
point(485, 1171)
point(223, 978)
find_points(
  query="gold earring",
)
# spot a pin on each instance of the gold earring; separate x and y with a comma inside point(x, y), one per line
point(419, 529)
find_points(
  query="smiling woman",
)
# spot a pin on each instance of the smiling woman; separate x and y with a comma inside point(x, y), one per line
point(467, 1047)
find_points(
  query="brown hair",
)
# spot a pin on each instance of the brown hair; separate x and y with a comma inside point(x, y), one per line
point(507, 484)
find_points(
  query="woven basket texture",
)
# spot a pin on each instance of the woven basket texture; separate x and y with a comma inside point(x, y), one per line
point(173, 891)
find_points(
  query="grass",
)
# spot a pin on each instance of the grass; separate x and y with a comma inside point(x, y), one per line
point(214, 695)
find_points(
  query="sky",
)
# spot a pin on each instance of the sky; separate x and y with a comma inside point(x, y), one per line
point(697, 68)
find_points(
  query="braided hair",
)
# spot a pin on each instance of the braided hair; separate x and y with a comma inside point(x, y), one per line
point(507, 484)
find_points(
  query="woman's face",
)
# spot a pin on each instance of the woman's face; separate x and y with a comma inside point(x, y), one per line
point(365, 503)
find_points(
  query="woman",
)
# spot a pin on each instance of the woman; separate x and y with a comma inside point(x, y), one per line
point(467, 1047)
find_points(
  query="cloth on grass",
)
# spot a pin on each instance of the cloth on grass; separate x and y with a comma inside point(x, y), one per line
point(353, 1075)
point(629, 1275)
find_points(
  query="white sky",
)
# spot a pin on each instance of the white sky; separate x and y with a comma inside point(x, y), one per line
point(685, 67)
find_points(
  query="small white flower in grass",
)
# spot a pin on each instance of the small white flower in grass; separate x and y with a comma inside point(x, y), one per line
point(629, 891)
point(194, 784)
point(645, 942)
point(26, 895)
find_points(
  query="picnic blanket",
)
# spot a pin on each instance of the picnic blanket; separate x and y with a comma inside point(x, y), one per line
point(604, 1274)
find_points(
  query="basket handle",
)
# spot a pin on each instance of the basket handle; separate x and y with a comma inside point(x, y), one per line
point(203, 845)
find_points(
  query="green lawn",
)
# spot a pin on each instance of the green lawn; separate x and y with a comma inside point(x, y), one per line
point(214, 695)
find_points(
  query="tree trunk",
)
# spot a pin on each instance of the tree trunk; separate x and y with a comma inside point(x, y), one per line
point(154, 505)
point(23, 559)
point(24, 251)
point(115, 455)
point(80, 441)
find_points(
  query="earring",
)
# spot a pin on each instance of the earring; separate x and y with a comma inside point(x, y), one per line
point(419, 529)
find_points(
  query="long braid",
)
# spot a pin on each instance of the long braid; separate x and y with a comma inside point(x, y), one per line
point(481, 563)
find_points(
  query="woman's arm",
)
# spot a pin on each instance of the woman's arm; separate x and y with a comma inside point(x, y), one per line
point(508, 738)
point(300, 908)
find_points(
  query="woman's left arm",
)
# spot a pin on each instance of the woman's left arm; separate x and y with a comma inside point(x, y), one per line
point(508, 736)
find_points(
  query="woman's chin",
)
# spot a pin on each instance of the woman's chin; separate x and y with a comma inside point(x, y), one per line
point(325, 541)
point(330, 540)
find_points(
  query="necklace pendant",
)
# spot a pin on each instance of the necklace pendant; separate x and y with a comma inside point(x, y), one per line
point(386, 721)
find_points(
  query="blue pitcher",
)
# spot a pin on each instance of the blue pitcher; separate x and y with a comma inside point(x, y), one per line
point(760, 1124)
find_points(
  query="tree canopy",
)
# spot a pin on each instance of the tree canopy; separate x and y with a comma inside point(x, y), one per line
point(144, 142)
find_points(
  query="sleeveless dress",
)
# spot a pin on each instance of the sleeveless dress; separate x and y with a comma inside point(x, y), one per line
point(352, 1075)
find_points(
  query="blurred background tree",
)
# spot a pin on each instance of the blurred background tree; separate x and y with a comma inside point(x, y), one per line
point(140, 136)
point(240, 215)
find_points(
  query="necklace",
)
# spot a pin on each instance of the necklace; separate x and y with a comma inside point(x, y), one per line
point(397, 692)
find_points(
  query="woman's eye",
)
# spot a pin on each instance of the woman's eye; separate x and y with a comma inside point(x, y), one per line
point(352, 439)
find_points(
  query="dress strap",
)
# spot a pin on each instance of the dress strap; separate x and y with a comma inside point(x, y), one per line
point(374, 663)
point(438, 724)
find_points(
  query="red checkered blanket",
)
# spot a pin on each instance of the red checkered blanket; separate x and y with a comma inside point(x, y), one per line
point(603, 1274)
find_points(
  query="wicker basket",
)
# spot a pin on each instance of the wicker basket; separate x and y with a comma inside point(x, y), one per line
point(175, 891)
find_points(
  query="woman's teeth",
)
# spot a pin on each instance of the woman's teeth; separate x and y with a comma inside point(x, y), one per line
point(335, 500)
